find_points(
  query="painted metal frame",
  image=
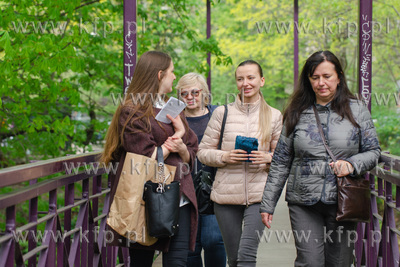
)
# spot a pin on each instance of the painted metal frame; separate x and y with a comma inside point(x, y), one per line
point(59, 244)
point(85, 243)
point(130, 41)
point(378, 240)
point(365, 51)
point(208, 36)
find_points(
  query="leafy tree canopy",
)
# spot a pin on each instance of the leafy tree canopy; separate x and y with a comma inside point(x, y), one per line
point(61, 61)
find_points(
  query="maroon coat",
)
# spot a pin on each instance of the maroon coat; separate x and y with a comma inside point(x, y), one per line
point(144, 143)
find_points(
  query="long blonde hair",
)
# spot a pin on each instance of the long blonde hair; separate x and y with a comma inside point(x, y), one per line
point(145, 82)
point(265, 114)
point(264, 121)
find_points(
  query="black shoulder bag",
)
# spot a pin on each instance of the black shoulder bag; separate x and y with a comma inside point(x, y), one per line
point(162, 203)
point(354, 202)
point(203, 180)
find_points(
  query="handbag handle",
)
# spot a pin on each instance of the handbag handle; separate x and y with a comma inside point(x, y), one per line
point(161, 174)
point(321, 132)
point(160, 155)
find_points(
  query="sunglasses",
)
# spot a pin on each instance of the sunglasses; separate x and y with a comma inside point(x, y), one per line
point(194, 93)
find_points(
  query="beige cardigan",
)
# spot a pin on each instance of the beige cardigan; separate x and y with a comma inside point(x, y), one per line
point(237, 184)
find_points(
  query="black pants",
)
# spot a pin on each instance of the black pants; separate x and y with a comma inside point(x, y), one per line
point(178, 248)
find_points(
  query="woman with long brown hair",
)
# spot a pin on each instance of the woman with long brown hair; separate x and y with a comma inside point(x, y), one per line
point(134, 129)
point(302, 161)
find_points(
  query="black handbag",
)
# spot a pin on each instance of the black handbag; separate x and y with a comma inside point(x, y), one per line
point(161, 204)
point(354, 203)
point(203, 180)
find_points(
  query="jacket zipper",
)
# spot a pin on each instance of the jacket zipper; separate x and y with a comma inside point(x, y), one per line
point(246, 163)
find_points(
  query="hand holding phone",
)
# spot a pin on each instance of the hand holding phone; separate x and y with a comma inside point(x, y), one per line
point(247, 144)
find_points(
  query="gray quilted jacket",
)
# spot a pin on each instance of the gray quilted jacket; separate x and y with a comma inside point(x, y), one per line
point(302, 161)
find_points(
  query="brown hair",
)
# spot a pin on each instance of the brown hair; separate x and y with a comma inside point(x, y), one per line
point(303, 97)
point(141, 93)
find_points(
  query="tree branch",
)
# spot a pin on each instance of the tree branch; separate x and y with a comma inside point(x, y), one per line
point(86, 4)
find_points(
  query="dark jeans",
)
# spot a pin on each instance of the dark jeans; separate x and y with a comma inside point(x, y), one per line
point(141, 257)
point(178, 248)
point(208, 238)
point(320, 240)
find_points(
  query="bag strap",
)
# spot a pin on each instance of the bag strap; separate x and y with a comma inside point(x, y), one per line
point(221, 136)
point(222, 128)
point(160, 155)
point(160, 166)
point(321, 132)
point(209, 112)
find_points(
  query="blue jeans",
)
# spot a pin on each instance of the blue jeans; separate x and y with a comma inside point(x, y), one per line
point(208, 238)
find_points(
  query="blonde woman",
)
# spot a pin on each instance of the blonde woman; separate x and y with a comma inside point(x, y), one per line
point(193, 90)
point(241, 175)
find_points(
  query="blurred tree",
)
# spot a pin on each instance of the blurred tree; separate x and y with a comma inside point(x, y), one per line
point(263, 31)
point(61, 60)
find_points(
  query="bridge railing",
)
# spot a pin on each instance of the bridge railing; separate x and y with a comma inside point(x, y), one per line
point(71, 231)
point(75, 233)
point(378, 241)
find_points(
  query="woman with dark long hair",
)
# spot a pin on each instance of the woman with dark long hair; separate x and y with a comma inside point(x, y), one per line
point(134, 129)
point(301, 159)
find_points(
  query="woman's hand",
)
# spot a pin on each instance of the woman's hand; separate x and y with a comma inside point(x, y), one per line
point(178, 126)
point(266, 219)
point(260, 157)
point(235, 156)
point(342, 168)
point(176, 145)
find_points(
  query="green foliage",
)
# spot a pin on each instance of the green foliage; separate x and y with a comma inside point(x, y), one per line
point(264, 30)
point(61, 60)
point(49, 62)
point(55, 91)
point(388, 129)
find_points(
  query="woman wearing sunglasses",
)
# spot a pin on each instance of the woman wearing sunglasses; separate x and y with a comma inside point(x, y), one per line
point(193, 90)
